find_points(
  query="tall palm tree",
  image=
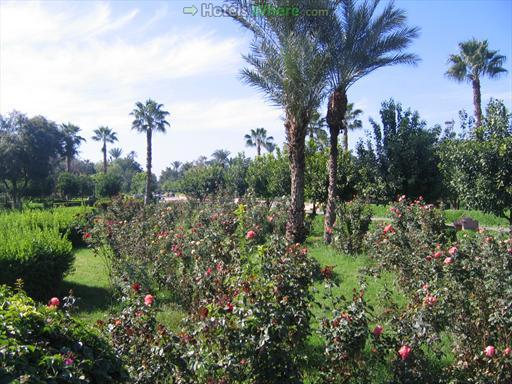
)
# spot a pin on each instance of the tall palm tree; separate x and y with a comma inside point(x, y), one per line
point(287, 66)
point(258, 138)
point(115, 153)
point(71, 142)
point(351, 123)
point(176, 165)
point(104, 135)
point(149, 117)
point(359, 40)
point(475, 60)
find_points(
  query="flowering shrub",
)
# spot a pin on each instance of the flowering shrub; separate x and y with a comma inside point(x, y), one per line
point(460, 294)
point(352, 222)
point(44, 344)
point(150, 352)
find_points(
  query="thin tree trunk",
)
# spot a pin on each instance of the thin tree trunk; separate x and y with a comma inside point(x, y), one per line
point(336, 109)
point(258, 149)
point(147, 195)
point(477, 101)
point(104, 157)
point(345, 138)
point(296, 136)
point(68, 163)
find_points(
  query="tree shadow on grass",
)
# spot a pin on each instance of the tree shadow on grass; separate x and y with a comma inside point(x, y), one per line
point(90, 299)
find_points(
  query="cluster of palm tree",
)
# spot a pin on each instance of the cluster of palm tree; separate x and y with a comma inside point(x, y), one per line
point(298, 61)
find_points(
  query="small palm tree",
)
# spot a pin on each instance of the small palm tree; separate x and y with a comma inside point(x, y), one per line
point(359, 40)
point(71, 142)
point(258, 138)
point(221, 157)
point(351, 123)
point(115, 153)
point(104, 135)
point(149, 117)
point(176, 165)
point(475, 60)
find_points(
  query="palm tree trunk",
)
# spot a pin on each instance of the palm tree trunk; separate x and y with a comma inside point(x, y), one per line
point(258, 149)
point(345, 138)
point(68, 164)
point(104, 157)
point(477, 101)
point(336, 109)
point(147, 195)
point(296, 136)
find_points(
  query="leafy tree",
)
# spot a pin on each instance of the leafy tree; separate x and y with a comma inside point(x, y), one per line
point(481, 166)
point(149, 117)
point(269, 176)
point(287, 66)
point(316, 174)
point(126, 168)
point(107, 184)
point(68, 185)
point(258, 138)
point(351, 123)
point(71, 142)
point(115, 153)
point(359, 40)
point(104, 135)
point(236, 174)
point(138, 184)
point(202, 180)
point(27, 150)
point(405, 153)
point(474, 60)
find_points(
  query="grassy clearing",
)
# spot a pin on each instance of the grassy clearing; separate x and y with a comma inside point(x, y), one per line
point(485, 219)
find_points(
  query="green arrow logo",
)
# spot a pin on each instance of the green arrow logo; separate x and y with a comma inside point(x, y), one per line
point(190, 10)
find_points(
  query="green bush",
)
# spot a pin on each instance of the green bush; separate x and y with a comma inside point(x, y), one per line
point(40, 257)
point(43, 344)
point(352, 222)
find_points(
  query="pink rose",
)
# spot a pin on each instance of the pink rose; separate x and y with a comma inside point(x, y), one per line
point(378, 330)
point(430, 300)
point(507, 351)
point(208, 272)
point(438, 254)
point(250, 235)
point(389, 228)
point(404, 352)
point(148, 300)
point(490, 351)
point(401, 198)
point(453, 250)
point(328, 230)
point(448, 261)
point(54, 302)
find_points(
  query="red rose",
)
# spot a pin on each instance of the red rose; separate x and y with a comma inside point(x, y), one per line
point(250, 235)
point(389, 228)
point(136, 287)
point(378, 330)
point(87, 235)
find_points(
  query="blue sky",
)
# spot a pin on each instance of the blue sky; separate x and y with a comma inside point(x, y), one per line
point(88, 62)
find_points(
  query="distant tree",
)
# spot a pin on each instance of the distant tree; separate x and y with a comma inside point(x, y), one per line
point(479, 168)
point(71, 142)
point(405, 152)
point(107, 184)
point(149, 117)
point(473, 61)
point(258, 138)
point(125, 168)
point(317, 132)
point(359, 37)
point(138, 184)
point(221, 157)
point(115, 153)
point(316, 178)
point(68, 185)
point(104, 135)
point(351, 123)
point(236, 174)
point(202, 180)
point(28, 148)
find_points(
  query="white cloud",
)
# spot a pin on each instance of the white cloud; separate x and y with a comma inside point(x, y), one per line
point(80, 62)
